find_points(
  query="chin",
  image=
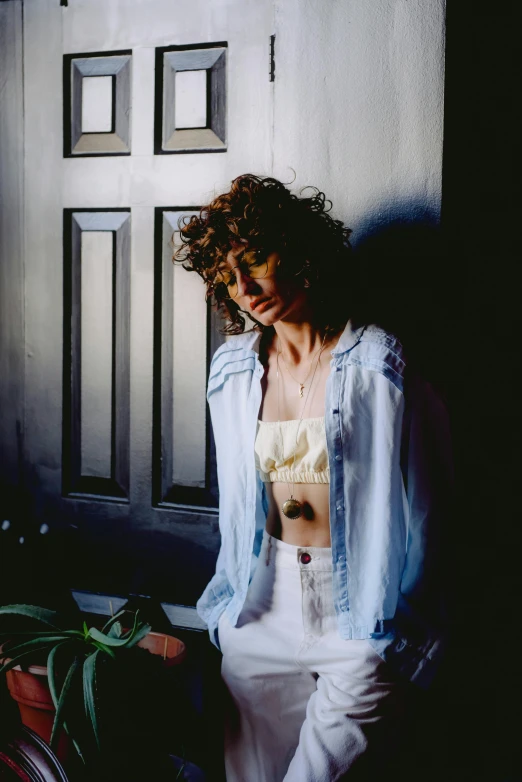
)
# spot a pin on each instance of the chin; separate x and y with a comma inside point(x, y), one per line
point(268, 318)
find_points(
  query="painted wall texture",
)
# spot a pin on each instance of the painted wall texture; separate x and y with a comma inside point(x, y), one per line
point(359, 105)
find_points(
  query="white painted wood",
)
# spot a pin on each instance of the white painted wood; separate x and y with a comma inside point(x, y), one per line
point(97, 104)
point(43, 246)
point(96, 352)
point(141, 364)
point(189, 362)
point(139, 182)
point(116, 106)
point(100, 221)
point(167, 180)
point(142, 100)
point(95, 603)
point(183, 616)
point(108, 605)
point(11, 248)
point(191, 99)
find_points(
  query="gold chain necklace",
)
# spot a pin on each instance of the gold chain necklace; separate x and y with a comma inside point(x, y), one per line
point(292, 508)
point(303, 384)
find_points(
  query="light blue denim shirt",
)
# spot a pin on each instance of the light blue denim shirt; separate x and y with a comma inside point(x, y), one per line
point(387, 436)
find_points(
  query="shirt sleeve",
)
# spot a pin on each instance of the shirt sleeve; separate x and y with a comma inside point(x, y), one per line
point(416, 645)
point(427, 468)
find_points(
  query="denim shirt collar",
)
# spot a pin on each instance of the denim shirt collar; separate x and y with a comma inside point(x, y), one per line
point(351, 335)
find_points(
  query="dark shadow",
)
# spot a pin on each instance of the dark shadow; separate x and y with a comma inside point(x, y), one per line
point(406, 285)
point(409, 284)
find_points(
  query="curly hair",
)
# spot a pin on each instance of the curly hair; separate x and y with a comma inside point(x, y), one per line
point(313, 247)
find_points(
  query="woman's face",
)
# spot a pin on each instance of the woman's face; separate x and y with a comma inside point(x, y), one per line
point(270, 298)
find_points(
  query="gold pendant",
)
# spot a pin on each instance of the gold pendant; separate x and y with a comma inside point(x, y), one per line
point(292, 508)
point(301, 390)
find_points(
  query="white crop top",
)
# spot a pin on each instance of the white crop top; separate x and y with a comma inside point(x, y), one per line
point(275, 446)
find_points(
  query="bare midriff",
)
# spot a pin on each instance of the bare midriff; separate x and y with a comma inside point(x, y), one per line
point(313, 526)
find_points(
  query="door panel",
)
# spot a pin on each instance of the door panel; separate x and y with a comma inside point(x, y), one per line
point(118, 340)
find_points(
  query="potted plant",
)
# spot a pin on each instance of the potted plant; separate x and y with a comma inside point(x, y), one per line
point(90, 684)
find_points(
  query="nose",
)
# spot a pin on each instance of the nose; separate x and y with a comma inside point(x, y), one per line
point(245, 284)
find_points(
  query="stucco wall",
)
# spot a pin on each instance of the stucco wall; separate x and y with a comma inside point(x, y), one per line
point(359, 105)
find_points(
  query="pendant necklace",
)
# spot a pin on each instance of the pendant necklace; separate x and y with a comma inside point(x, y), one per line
point(292, 508)
point(303, 384)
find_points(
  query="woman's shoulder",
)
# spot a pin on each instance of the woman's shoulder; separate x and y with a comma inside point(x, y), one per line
point(379, 350)
point(379, 338)
point(248, 341)
point(239, 352)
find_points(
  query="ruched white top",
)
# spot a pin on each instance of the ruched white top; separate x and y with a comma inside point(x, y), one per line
point(275, 446)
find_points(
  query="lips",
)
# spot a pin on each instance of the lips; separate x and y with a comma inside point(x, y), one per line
point(259, 304)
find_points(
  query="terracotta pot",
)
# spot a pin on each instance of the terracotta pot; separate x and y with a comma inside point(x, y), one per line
point(30, 689)
point(169, 647)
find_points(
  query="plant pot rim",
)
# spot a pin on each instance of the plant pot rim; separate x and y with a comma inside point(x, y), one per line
point(41, 670)
point(37, 670)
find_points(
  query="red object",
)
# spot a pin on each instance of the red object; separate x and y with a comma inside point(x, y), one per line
point(30, 689)
point(305, 558)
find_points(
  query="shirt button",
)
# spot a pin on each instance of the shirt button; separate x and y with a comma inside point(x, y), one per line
point(305, 558)
point(339, 507)
point(338, 457)
point(340, 558)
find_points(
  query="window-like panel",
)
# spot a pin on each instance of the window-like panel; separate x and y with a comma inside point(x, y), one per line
point(96, 354)
point(185, 335)
point(179, 94)
point(96, 291)
point(191, 99)
point(97, 103)
point(97, 115)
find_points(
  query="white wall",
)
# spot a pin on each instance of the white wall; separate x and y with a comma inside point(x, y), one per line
point(359, 105)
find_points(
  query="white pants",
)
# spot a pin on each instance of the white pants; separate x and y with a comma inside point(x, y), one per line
point(306, 705)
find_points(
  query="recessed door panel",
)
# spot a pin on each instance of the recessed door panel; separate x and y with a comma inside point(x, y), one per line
point(134, 114)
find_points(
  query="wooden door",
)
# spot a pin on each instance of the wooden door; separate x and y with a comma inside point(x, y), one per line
point(134, 113)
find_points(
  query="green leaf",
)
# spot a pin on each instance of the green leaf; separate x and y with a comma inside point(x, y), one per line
point(134, 626)
point(116, 630)
point(77, 747)
point(34, 644)
point(103, 648)
point(97, 635)
point(61, 703)
point(32, 612)
point(14, 661)
point(42, 633)
point(113, 619)
point(142, 632)
point(85, 630)
point(89, 687)
point(50, 672)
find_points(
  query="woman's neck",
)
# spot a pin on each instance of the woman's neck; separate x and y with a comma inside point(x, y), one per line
point(298, 341)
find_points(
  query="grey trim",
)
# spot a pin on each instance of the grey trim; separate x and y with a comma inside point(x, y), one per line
point(117, 486)
point(119, 140)
point(213, 137)
point(100, 221)
point(166, 494)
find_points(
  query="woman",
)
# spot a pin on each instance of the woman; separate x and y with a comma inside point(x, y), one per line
point(333, 478)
